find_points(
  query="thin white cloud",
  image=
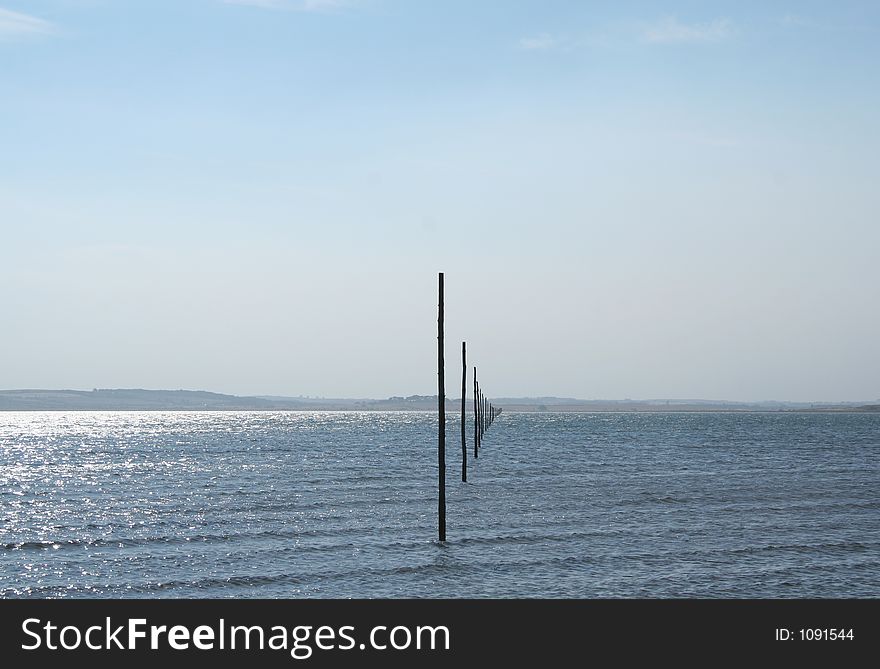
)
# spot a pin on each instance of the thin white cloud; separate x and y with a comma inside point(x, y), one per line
point(15, 24)
point(672, 31)
point(542, 42)
point(294, 5)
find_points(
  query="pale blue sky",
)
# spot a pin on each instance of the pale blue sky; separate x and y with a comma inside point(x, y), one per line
point(657, 199)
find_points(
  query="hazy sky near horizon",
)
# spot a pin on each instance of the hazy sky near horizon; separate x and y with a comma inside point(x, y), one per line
point(629, 199)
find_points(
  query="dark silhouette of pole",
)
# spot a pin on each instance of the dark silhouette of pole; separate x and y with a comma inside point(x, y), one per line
point(441, 405)
point(463, 399)
point(480, 418)
point(476, 425)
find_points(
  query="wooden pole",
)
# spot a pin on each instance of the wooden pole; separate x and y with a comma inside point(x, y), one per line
point(482, 431)
point(441, 405)
point(463, 393)
point(480, 417)
point(476, 427)
point(477, 417)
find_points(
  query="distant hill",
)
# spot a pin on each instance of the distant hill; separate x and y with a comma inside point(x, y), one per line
point(135, 399)
point(127, 400)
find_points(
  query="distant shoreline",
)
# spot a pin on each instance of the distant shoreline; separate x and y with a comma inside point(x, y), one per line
point(194, 400)
point(854, 410)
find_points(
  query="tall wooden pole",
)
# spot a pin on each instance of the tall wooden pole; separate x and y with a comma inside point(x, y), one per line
point(463, 398)
point(480, 415)
point(441, 405)
point(481, 418)
point(476, 426)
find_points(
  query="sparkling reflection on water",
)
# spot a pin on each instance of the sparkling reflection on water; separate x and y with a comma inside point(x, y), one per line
point(329, 504)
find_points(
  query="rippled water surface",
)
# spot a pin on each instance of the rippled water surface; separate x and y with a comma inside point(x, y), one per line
point(254, 504)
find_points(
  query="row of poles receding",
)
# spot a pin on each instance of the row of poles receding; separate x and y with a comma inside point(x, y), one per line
point(485, 414)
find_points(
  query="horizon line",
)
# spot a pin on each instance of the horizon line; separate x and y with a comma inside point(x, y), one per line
point(448, 397)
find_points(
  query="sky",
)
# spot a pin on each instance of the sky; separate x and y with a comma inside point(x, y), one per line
point(628, 199)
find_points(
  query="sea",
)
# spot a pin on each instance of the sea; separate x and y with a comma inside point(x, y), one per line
point(344, 505)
